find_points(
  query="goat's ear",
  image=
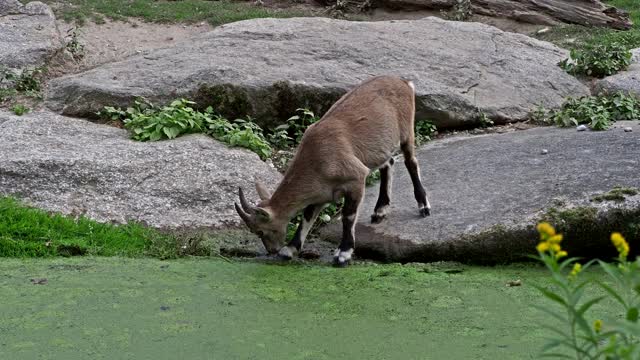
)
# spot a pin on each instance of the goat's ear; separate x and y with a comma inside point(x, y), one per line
point(263, 215)
point(262, 191)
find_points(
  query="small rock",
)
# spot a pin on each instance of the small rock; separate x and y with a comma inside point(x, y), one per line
point(542, 31)
point(544, 152)
point(581, 127)
point(325, 218)
point(39, 281)
point(628, 129)
point(164, 308)
point(514, 283)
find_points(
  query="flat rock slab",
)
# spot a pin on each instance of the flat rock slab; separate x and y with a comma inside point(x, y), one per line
point(488, 192)
point(28, 34)
point(267, 68)
point(77, 167)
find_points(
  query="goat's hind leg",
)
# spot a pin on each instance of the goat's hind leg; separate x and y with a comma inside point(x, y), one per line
point(411, 162)
point(309, 216)
point(384, 198)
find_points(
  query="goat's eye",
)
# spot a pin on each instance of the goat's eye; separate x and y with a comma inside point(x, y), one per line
point(260, 233)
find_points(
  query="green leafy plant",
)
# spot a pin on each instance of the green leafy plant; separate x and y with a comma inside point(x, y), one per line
point(484, 119)
point(290, 134)
point(149, 123)
point(20, 109)
point(424, 131)
point(599, 112)
point(73, 45)
point(598, 60)
point(540, 115)
point(461, 11)
point(615, 338)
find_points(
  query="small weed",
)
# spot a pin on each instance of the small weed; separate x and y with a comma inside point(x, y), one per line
point(540, 115)
point(73, 46)
point(20, 109)
point(461, 11)
point(28, 81)
point(616, 194)
point(484, 119)
point(290, 134)
point(424, 131)
point(599, 112)
point(373, 177)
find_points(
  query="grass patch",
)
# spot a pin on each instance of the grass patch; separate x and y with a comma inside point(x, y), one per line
point(616, 194)
point(28, 232)
point(576, 37)
point(187, 11)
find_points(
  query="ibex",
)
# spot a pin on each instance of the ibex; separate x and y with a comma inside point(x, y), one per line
point(358, 134)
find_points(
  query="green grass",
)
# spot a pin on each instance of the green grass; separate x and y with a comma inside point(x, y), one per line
point(187, 11)
point(576, 36)
point(28, 232)
point(116, 308)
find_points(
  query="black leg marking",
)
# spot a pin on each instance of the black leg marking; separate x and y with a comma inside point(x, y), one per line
point(384, 198)
point(309, 216)
point(420, 194)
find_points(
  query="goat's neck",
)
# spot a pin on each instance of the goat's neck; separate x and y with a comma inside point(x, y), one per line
point(291, 196)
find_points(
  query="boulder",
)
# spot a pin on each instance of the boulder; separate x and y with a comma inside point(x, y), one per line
point(544, 12)
point(28, 34)
point(77, 167)
point(625, 81)
point(488, 193)
point(267, 68)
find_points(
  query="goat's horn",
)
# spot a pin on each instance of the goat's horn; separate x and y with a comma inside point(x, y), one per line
point(243, 215)
point(245, 204)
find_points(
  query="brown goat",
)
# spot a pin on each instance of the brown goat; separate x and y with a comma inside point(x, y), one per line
point(360, 133)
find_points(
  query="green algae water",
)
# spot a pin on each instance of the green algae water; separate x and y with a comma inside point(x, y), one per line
point(119, 308)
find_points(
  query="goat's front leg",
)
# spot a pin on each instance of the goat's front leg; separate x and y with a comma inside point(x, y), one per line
point(309, 216)
point(352, 200)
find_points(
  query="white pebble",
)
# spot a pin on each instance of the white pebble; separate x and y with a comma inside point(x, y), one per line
point(581, 127)
point(628, 129)
point(544, 152)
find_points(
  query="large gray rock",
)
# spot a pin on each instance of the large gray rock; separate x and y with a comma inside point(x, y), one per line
point(77, 167)
point(488, 192)
point(28, 34)
point(269, 67)
point(547, 12)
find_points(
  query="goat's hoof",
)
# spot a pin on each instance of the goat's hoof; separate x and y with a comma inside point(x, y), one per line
point(285, 254)
point(377, 219)
point(425, 211)
point(340, 264)
point(342, 258)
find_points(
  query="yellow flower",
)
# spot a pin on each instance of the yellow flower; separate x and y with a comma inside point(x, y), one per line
point(620, 243)
point(617, 239)
point(543, 247)
point(555, 239)
point(561, 253)
point(597, 325)
point(576, 270)
point(555, 247)
point(545, 228)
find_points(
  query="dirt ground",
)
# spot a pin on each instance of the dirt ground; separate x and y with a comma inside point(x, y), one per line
point(117, 40)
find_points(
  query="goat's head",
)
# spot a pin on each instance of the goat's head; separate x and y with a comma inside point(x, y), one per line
point(262, 220)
